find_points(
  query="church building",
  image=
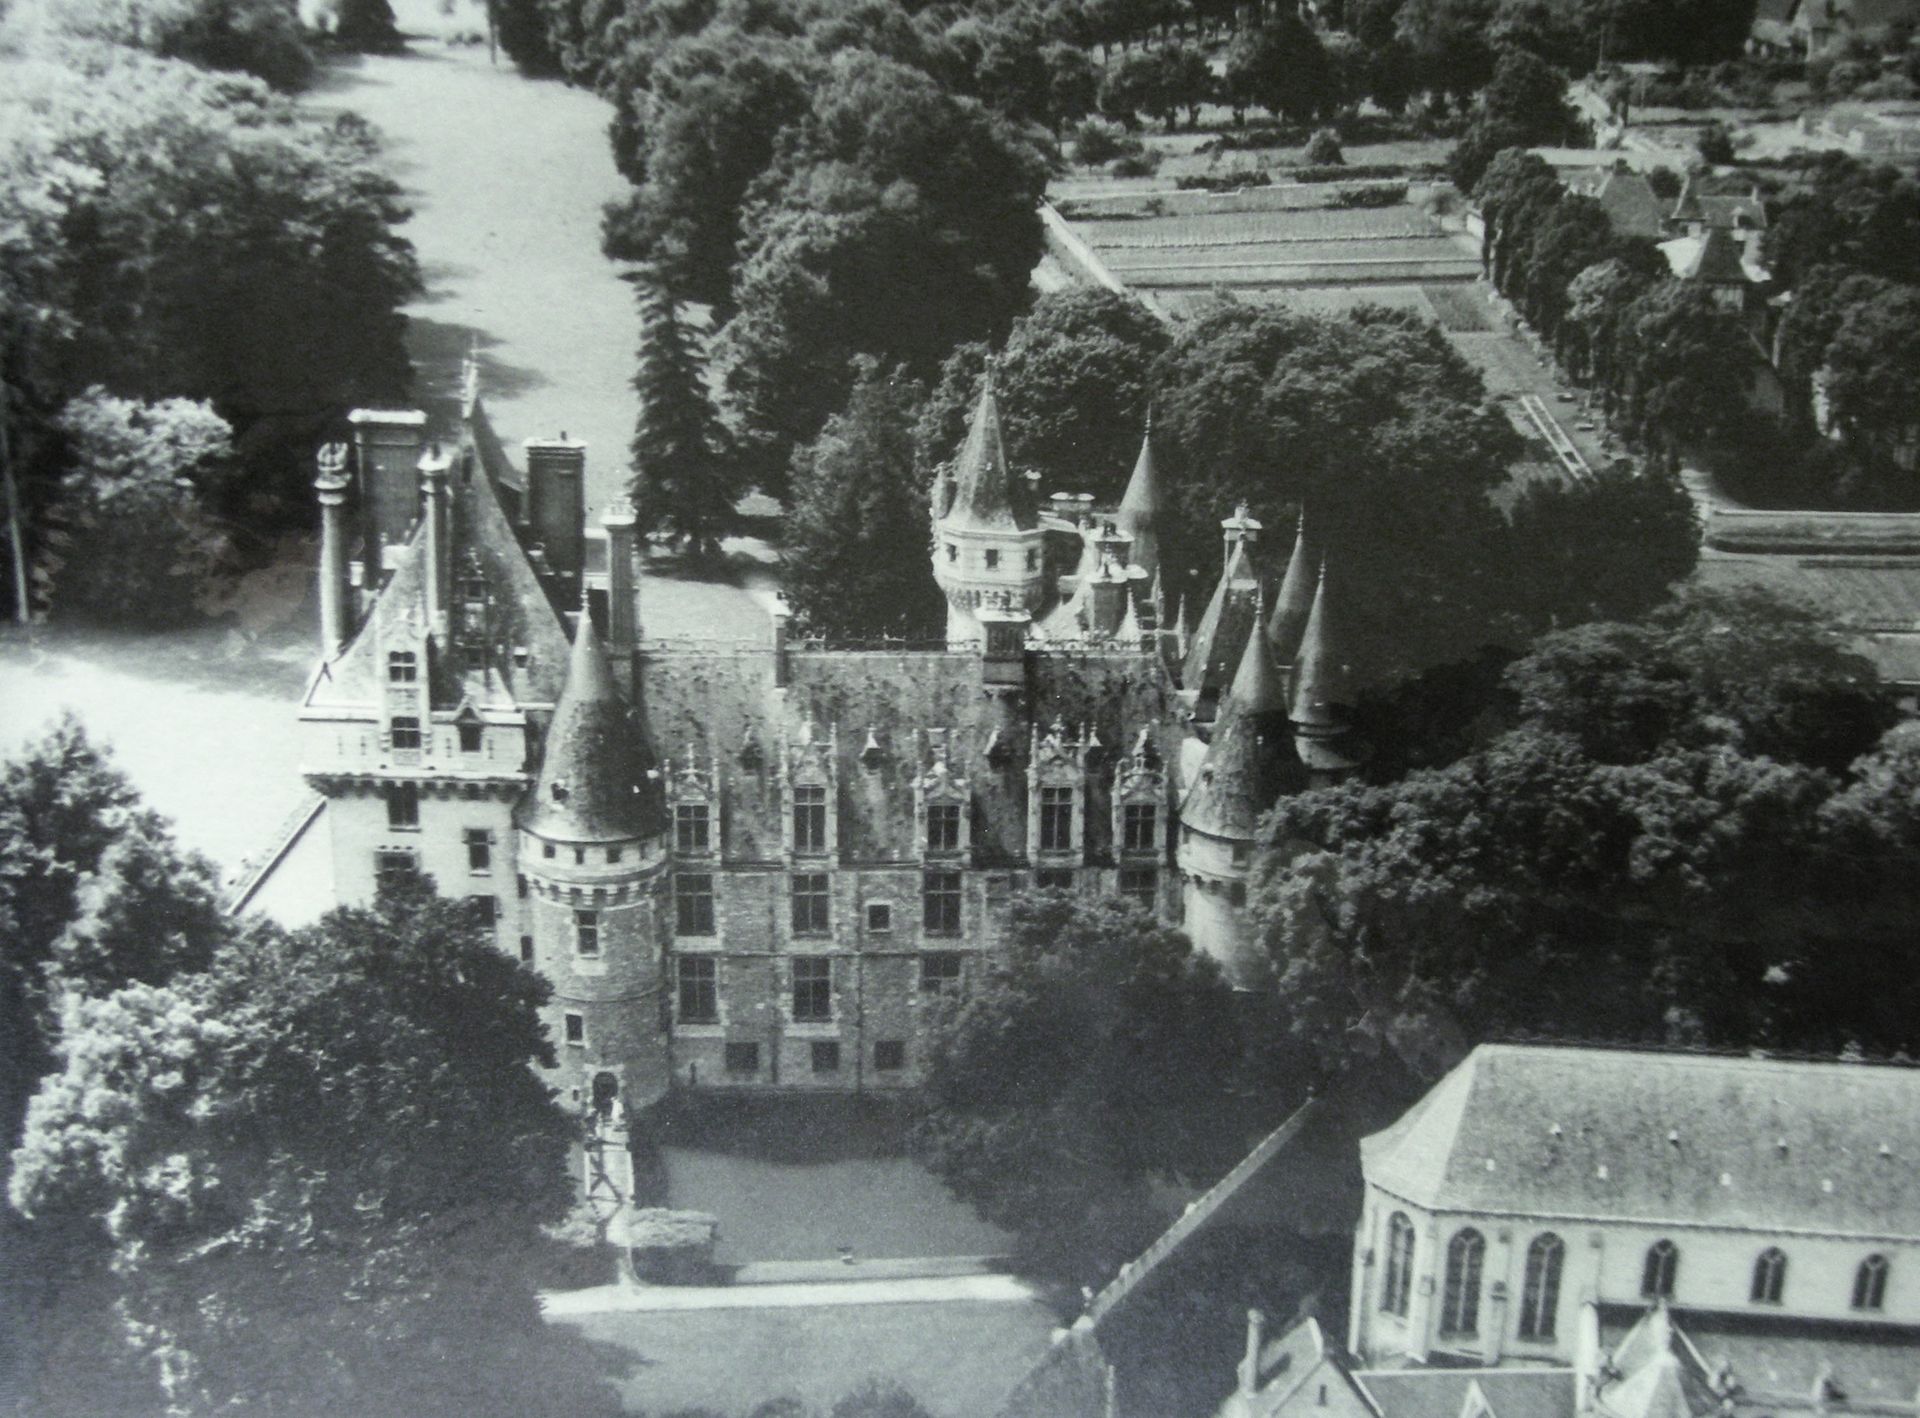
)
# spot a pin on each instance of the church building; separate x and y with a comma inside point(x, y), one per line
point(764, 865)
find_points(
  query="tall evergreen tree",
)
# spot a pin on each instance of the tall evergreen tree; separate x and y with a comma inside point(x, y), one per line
point(684, 486)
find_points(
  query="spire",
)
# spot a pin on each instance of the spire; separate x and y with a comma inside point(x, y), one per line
point(1229, 617)
point(1295, 601)
point(1139, 510)
point(985, 497)
point(593, 784)
point(1322, 680)
point(1246, 767)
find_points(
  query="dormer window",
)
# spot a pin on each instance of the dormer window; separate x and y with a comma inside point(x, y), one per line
point(943, 827)
point(472, 737)
point(403, 667)
point(692, 828)
point(809, 819)
point(1056, 819)
point(1140, 827)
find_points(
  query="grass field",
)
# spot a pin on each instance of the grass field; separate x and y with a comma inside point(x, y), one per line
point(960, 1359)
point(1272, 225)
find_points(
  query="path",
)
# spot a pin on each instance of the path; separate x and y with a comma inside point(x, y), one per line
point(815, 1294)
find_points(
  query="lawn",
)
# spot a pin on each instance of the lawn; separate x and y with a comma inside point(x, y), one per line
point(961, 1359)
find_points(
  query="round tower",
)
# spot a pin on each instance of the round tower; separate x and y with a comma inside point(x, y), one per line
point(592, 846)
point(987, 542)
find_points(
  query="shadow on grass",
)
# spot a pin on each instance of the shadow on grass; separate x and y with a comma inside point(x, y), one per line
point(440, 348)
point(726, 569)
point(802, 1128)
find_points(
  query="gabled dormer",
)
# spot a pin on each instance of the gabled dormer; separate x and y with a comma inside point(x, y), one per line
point(693, 795)
point(1140, 803)
point(942, 805)
point(808, 783)
point(1057, 797)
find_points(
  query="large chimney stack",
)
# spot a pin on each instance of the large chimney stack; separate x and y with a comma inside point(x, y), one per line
point(557, 500)
point(336, 622)
point(434, 467)
point(386, 445)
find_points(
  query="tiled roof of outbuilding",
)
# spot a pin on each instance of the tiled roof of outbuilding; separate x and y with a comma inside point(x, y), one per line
point(1685, 1139)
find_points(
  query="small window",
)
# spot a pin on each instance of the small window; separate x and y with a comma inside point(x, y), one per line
point(579, 856)
point(1769, 1276)
point(690, 828)
point(1242, 854)
point(1137, 827)
point(1237, 893)
point(698, 979)
point(403, 667)
point(586, 932)
point(692, 904)
point(943, 827)
point(941, 900)
point(1056, 819)
point(486, 909)
point(479, 851)
point(391, 865)
point(812, 990)
point(953, 552)
point(940, 971)
point(1870, 1284)
point(526, 950)
point(810, 912)
point(743, 1058)
point(520, 886)
point(547, 850)
point(472, 738)
point(613, 856)
point(879, 917)
point(403, 805)
point(1657, 1275)
point(890, 1055)
point(1140, 885)
point(406, 732)
point(809, 819)
point(1053, 879)
point(1033, 559)
point(576, 1026)
point(993, 558)
point(826, 1056)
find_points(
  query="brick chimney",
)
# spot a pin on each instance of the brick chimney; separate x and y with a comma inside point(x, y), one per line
point(336, 619)
point(623, 590)
point(435, 464)
point(386, 446)
point(557, 500)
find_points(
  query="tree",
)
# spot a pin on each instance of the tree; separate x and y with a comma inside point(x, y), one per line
point(1450, 43)
point(684, 484)
point(898, 221)
point(1523, 105)
point(1283, 67)
point(1715, 145)
point(1074, 381)
point(1649, 854)
point(321, 1168)
point(184, 236)
point(1090, 1064)
point(1323, 149)
point(1856, 214)
point(1687, 365)
point(138, 479)
point(855, 558)
point(520, 26)
point(1873, 366)
point(367, 25)
point(1597, 299)
point(717, 107)
point(258, 37)
point(1603, 547)
point(1383, 432)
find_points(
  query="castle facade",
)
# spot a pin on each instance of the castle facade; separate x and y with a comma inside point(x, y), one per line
point(765, 865)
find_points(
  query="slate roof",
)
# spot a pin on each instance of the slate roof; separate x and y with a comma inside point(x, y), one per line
point(1717, 260)
point(1288, 623)
point(1250, 761)
point(594, 784)
point(1667, 1138)
point(1139, 510)
point(986, 497)
point(1322, 677)
point(726, 704)
point(1442, 1393)
point(1231, 614)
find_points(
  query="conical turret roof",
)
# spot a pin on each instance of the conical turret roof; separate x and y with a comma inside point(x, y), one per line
point(593, 784)
point(1322, 678)
point(1229, 618)
point(1247, 764)
point(1139, 510)
point(986, 498)
point(1294, 604)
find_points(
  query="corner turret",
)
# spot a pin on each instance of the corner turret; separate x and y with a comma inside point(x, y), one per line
point(1247, 767)
point(1323, 693)
point(987, 537)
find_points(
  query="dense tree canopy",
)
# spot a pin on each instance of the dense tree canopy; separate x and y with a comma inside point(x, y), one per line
point(896, 221)
point(685, 479)
point(855, 554)
point(317, 1169)
point(1074, 381)
point(1091, 1062)
point(1678, 840)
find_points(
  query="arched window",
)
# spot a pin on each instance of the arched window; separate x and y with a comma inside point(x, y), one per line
point(1769, 1275)
point(1870, 1284)
point(1540, 1297)
point(1460, 1305)
point(1398, 1283)
point(1663, 1262)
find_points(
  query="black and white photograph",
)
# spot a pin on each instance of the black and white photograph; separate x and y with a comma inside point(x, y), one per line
point(960, 708)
